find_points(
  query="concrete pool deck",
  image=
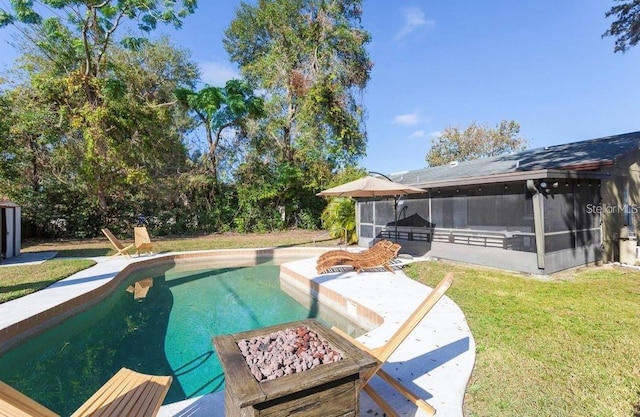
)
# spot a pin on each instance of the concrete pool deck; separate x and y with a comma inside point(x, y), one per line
point(435, 361)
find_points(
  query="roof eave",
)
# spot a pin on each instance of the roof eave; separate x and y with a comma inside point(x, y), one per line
point(514, 177)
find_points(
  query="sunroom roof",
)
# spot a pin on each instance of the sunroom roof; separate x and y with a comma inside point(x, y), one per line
point(584, 159)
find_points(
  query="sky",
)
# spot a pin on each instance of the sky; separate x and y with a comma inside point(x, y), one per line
point(438, 64)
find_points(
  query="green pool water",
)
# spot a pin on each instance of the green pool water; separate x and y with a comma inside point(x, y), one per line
point(167, 333)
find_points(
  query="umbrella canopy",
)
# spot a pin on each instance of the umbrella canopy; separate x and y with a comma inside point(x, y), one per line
point(371, 187)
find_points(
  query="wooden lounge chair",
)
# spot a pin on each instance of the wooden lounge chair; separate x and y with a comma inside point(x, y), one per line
point(347, 254)
point(383, 353)
point(117, 244)
point(332, 258)
point(378, 256)
point(127, 393)
point(142, 239)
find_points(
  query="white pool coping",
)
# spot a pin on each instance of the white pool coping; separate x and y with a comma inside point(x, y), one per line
point(435, 361)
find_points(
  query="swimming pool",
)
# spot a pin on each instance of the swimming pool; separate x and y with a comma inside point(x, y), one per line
point(169, 332)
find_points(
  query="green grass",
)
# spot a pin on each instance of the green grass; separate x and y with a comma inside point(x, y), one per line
point(102, 247)
point(18, 281)
point(565, 347)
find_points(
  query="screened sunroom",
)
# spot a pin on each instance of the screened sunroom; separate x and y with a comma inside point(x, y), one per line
point(539, 224)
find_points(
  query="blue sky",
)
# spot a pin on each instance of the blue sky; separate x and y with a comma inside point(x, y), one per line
point(542, 63)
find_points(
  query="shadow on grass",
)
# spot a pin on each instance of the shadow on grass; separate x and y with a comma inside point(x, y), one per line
point(11, 292)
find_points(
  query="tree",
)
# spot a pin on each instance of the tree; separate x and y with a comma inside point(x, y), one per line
point(89, 27)
point(476, 141)
point(108, 114)
point(310, 58)
point(9, 147)
point(626, 27)
point(220, 108)
point(107, 157)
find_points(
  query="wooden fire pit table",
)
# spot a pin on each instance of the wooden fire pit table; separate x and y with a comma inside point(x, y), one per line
point(326, 390)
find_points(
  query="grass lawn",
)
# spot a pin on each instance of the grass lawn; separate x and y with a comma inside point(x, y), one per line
point(565, 347)
point(18, 281)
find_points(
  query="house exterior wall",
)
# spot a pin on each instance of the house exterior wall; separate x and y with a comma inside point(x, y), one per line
point(620, 204)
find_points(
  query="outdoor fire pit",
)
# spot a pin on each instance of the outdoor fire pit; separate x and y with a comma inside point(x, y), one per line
point(293, 369)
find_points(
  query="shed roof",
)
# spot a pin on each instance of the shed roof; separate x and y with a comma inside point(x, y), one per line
point(7, 203)
point(584, 159)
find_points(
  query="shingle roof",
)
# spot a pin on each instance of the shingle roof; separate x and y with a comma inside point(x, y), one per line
point(577, 156)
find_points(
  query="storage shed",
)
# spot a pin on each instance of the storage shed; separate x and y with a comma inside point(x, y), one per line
point(10, 230)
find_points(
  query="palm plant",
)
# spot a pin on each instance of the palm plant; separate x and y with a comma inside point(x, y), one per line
point(339, 219)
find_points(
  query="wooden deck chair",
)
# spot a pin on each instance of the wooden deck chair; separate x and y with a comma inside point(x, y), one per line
point(13, 403)
point(117, 244)
point(127, 393)
point(383, 353)
point(142, 239)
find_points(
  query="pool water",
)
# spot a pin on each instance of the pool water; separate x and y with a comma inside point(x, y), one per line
point(167, 333)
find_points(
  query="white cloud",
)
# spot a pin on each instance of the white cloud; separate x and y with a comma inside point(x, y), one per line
point(413, 19)
point(417, 134)
point(217, 73)
point(409, 119)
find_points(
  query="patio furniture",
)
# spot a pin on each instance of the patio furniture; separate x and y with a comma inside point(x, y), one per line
point(142, 239)
point(338, 252)
point(127, 393)
point(383, 353)
point(117, 244)
point(336, 257)
point(379, 255)
point(13, 403)
point(328, 389)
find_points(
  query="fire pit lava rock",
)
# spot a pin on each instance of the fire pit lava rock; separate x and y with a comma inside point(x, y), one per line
point(286, 352)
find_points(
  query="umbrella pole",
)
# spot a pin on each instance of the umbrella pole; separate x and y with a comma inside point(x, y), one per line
point(395, 212)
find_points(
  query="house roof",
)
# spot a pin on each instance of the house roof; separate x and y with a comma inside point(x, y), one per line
point(583, 159)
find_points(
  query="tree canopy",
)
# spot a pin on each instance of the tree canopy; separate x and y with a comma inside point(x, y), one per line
point(220, 108)
point(98, 125)
point(92, 114)
point(475, 141)
point(626, 27)
point(310, 58)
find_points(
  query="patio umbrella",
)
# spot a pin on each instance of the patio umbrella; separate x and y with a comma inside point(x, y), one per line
point(373, 187)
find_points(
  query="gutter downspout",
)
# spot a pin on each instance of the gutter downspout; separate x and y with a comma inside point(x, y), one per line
point(538, 221)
